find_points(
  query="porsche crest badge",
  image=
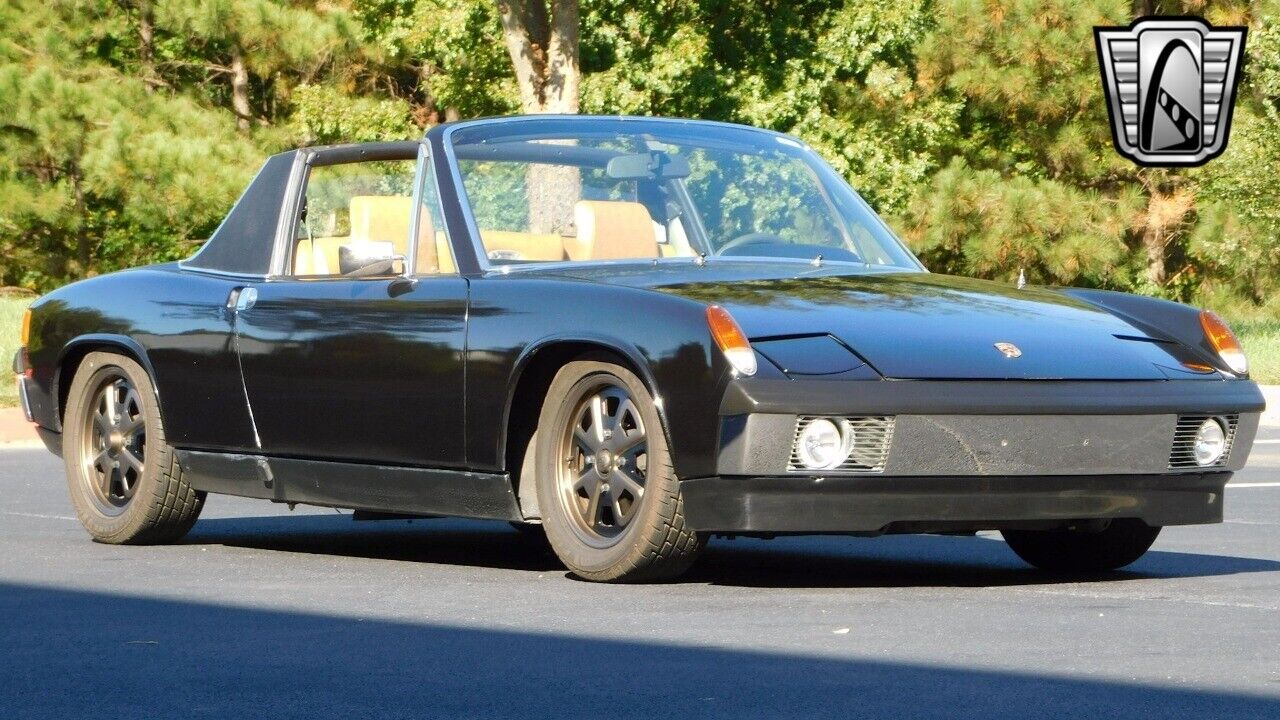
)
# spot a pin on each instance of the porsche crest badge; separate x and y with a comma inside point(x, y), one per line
point(1009, 350)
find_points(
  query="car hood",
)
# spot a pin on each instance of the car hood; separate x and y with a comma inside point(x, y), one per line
point(916, 325)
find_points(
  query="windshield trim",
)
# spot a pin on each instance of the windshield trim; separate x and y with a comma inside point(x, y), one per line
point(857, 268)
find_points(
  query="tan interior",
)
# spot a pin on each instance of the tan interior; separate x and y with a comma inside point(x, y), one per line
point(606, 230)
point(523, 245)
point(611, 230)
point(444, 255)
point(377, 218)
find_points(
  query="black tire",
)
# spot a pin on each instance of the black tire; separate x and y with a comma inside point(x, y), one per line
point(655, 543)
point(153, 505)
point(1067, 550)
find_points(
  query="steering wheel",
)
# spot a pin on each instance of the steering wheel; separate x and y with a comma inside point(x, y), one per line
point(752, 238)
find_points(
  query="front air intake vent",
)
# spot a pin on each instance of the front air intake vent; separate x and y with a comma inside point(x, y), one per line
point(1183, 455)
point(866, 442)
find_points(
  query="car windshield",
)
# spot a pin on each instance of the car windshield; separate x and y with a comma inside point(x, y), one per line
point(591, 189)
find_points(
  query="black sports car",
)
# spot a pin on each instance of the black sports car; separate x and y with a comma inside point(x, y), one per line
point(635, 333)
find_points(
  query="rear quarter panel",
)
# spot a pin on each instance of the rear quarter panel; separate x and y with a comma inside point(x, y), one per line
point(174, 321)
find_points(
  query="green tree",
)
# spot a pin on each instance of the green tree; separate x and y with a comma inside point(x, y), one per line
point(978, 127)
point(95, 168)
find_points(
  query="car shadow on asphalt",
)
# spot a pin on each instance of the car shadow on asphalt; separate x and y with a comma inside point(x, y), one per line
point(91, 654)
point(788, 562)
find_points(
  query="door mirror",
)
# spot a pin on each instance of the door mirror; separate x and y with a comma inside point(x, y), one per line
point(369, 262)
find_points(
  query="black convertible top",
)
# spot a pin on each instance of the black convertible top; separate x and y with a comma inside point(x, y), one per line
point(243, 243)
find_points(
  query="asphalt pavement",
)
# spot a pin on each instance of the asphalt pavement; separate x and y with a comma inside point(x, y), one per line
point(262, 612)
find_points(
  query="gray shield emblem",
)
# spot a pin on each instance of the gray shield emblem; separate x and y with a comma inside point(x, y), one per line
point(1170, 84)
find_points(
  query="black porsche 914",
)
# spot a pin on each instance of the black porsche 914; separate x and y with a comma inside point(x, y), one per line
point(636, 333)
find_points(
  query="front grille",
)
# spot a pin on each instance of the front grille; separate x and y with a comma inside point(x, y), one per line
point(872, 437)
point(1184, 439)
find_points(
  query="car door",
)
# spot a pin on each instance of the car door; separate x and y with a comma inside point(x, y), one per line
point(345, 355)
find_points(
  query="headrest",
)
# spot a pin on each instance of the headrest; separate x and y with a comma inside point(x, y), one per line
point(611, 230)
point(386, 218)
point(381, 218)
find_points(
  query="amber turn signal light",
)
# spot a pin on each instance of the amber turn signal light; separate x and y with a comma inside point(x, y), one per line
point(1224, 342)
point(731, 340)
point(26, 328)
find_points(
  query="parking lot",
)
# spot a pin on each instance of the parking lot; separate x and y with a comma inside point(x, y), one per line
point(262, 612)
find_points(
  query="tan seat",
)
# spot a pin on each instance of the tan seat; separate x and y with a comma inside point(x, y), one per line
point(382, 219)
point(611, 230)
point(523, 245)
point(376, 219)
point(317, 256)
point(444, 256)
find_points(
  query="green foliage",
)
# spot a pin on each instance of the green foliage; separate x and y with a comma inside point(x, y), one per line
point(324, 115)
point(981, 223)
point(11, 309)
point(1261, 340)
point(977, 127)
point(1238, 245)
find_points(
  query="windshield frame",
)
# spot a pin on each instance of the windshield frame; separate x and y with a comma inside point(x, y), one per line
point(824, 173)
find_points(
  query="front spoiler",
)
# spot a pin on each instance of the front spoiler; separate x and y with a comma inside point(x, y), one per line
point(878, 504)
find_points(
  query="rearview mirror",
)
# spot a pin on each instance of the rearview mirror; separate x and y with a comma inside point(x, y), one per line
point(647, 166)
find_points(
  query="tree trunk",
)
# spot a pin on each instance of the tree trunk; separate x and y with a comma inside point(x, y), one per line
point(543, 47)
point(553, 191)
point(84, 244)
point(426, 114)
point(240, 90)
point(1163, 222)
point(1153, 242)
point(560, 92)
point(146, 41)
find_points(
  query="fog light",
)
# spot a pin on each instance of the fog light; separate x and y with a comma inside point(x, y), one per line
point(822, 445)
point(1211, 441)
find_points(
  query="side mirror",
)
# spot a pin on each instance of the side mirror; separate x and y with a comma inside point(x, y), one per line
point(354, 263)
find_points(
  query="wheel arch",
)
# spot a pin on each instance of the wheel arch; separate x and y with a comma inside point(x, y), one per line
point(74, 353)
point(531, 377)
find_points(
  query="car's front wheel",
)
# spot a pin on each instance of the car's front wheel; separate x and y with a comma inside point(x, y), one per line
point(1085, 549)
point(610, 500)
point(124, 479)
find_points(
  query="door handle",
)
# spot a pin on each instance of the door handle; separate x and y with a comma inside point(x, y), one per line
point(242, 298)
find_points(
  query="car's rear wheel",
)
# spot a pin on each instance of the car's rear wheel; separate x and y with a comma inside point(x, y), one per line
point(1085, 549)
point(610, 500)
point(124, 479)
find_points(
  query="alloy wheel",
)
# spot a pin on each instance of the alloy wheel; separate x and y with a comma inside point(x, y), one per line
point(604, 460)
point(113, 447)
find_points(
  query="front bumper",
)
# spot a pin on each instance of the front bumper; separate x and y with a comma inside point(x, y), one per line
point(879, 504)
point(20, 376)
point(971, 455)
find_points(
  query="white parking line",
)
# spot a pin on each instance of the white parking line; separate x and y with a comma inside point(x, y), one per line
point(1252, 485)
point(1266, 442)
point(37, 515)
